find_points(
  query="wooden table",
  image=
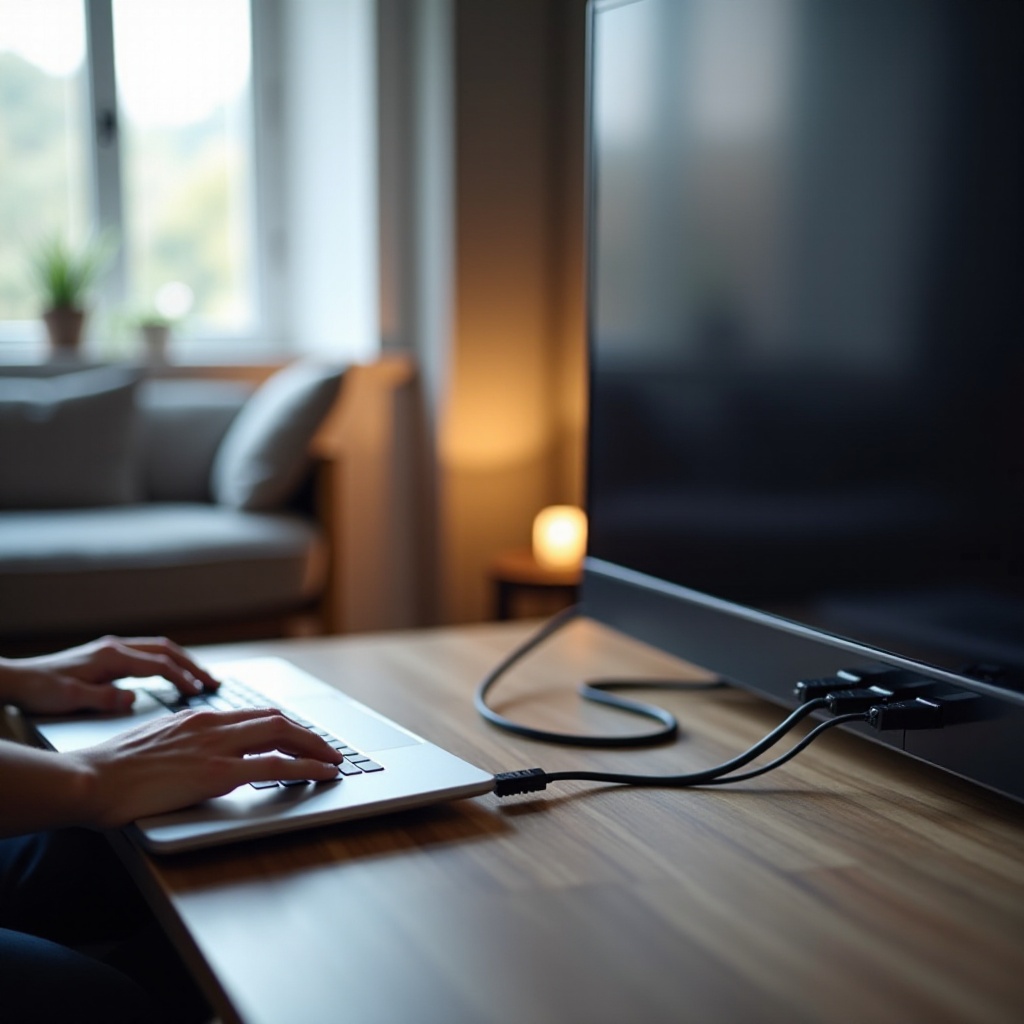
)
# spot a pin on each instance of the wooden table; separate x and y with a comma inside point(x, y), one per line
point(852, 885)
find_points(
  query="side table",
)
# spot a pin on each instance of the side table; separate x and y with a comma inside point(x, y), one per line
point(518, 572)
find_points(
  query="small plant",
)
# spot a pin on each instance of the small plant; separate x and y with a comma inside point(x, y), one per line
point(170, 306)
point(151, 318)
point(64, 274)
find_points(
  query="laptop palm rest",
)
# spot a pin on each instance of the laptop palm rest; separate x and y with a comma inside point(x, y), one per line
point(361, 728)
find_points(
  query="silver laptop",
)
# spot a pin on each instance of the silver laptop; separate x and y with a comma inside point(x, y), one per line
point(389, 768)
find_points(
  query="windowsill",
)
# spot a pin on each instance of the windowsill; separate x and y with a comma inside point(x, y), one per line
point(183, 353)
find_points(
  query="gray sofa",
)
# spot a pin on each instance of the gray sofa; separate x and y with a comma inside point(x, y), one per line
point(132, 504)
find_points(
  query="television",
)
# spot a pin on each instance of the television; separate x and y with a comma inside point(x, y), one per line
point(805, 236)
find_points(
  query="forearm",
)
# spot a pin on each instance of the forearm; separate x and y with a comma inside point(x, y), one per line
point(40, 789)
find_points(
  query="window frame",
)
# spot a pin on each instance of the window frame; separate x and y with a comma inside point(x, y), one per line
point(23, 339)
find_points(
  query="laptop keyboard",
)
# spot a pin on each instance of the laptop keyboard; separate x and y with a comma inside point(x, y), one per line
point(234, 694)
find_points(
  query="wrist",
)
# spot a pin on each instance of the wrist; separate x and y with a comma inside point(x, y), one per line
point(17, 681)
point(45, 790)
point(86, 801)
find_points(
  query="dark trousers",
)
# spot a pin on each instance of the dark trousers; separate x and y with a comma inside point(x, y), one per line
point(77, 941)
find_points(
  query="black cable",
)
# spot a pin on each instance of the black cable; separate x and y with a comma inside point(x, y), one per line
point(593, 690)
point(701, 777)
point(807, 740)
point(534, 779)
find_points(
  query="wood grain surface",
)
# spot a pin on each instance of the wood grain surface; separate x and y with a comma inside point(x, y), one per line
point(852, 885)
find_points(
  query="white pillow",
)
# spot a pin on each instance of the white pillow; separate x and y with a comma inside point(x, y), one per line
point(265, 453)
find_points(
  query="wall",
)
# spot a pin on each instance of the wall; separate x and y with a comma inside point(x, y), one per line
point(509, 437)
point(480, 145)
point(328, 131)
point(416, 269)
point(481, 267)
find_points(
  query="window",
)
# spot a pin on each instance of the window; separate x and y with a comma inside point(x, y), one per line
point(137, 116)
point(44, 159)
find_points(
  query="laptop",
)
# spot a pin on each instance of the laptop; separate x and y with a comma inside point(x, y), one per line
point(387, 768)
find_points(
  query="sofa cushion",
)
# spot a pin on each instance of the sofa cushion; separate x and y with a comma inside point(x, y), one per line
point(114, 569)
point(69, 440)
point(265, 454)
point(182, 425)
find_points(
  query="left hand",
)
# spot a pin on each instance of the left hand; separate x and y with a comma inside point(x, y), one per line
point(80, 678)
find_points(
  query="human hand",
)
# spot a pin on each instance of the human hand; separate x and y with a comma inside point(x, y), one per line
point(80, 678)
point(190, 756)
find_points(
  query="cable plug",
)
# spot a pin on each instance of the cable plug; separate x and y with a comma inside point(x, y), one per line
point(931, 712)
point(812, 689)
point(847, 678)
point(887, 684)
point(879, 675)
point(524, 780)
point(919, 713)
point(846, 702)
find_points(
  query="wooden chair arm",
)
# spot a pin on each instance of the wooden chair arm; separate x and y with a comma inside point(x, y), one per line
point(360, 471)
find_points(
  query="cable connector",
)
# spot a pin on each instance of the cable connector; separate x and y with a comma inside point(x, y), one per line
point(919, 713)
point(812, 689)
point(899, 680)
point(934, 712)
point(845, 702)
point(888, 684)
point(524, 780)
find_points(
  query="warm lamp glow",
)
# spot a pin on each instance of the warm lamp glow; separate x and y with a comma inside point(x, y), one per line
point(560, 536)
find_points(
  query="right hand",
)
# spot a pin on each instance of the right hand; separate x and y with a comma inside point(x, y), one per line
point(190, 756)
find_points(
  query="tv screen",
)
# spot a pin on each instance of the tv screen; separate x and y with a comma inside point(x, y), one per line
point(806, 327)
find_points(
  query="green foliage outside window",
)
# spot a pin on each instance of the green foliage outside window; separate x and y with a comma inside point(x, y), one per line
point(181, 199)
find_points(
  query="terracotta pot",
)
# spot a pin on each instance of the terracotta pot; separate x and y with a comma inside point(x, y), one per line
point(64, 326)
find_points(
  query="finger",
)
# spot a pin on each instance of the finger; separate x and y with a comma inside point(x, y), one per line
point(258, 730)
point(216, 719)
point(126, 661)
point(277, 732)
point(84, 697)
point(160, 645)
point(268, 767)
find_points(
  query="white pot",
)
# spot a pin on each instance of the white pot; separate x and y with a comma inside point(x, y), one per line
point(154, 341)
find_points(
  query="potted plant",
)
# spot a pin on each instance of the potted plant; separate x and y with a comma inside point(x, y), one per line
point(155, 323)
point(155, 330)
point(64, 275)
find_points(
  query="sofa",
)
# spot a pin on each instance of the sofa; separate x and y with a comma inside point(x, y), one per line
point(133, 502)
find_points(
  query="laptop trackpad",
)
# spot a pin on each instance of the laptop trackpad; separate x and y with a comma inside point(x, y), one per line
point(365, 731)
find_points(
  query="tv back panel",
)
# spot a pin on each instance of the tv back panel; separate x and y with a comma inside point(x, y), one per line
point(806, 331)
